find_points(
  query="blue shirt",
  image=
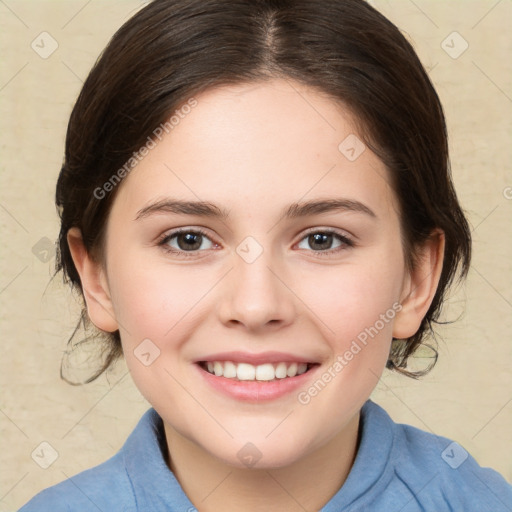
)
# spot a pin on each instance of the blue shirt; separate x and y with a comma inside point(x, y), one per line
point(397, 468)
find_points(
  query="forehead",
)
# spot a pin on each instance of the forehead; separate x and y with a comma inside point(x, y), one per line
point(250, 146)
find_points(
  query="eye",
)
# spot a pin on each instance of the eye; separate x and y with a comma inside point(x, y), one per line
point(325, 241)
point(188, 242)
point(184, 241)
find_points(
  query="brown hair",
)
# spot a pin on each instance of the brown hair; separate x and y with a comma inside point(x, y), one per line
point(172, 50)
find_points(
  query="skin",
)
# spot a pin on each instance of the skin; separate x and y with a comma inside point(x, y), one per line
point(253, 149)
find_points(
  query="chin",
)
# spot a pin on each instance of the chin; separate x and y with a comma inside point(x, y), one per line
point(259, 453)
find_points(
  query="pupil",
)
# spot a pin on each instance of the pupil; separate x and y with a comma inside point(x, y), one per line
point(322, 240)
point(191, 241)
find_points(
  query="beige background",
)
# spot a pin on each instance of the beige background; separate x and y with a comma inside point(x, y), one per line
point(468, 397)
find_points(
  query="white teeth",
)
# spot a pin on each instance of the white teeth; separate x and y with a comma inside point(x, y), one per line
point(302, 368)
point(262, 372)
point(265, 372)
point(245, 371)
point(229, 370)
point(217, 368)
point(292, 370)
point(281, 371)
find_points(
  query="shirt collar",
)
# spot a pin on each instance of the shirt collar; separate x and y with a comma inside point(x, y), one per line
point(155, 487)
point(371, 471)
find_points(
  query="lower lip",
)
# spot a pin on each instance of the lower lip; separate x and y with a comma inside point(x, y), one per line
point(253, 390)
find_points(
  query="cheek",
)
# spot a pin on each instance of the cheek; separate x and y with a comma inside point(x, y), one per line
point(356, 311)
point(157, 307)
point(150, 301)
point(353, 298)
point(356, 306)
point(153, 319)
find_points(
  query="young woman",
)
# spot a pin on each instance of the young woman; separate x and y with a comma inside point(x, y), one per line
point(257, 207)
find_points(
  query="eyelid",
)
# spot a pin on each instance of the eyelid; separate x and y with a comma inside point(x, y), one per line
point(335, 231)
point(176, 231)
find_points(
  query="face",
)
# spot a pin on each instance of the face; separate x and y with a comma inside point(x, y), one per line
point(265, 314)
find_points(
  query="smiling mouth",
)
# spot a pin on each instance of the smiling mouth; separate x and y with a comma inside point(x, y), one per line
point(266, 372)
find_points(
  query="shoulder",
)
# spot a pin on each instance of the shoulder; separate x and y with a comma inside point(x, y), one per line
point(136, 478)
point(441, 475)
point(99, 488)
point(110, 485)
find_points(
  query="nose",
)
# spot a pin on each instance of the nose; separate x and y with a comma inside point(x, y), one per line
point(256, 295)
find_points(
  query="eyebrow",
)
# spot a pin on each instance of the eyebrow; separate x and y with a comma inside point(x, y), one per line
point(293, 211)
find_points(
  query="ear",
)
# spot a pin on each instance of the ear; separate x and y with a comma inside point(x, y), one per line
point(420, 286)
point(94, 284)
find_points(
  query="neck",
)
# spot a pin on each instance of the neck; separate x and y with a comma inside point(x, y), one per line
point(307, 484)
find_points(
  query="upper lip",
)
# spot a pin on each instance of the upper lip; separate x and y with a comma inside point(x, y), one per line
point(256, 359)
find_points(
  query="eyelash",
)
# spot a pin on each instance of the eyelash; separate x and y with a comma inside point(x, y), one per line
point(346, 241)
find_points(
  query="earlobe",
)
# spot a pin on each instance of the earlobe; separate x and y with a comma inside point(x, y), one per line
point(420, 286)
point(94, 284)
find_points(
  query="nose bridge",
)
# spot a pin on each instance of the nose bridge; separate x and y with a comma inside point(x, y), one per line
point(256, 295)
